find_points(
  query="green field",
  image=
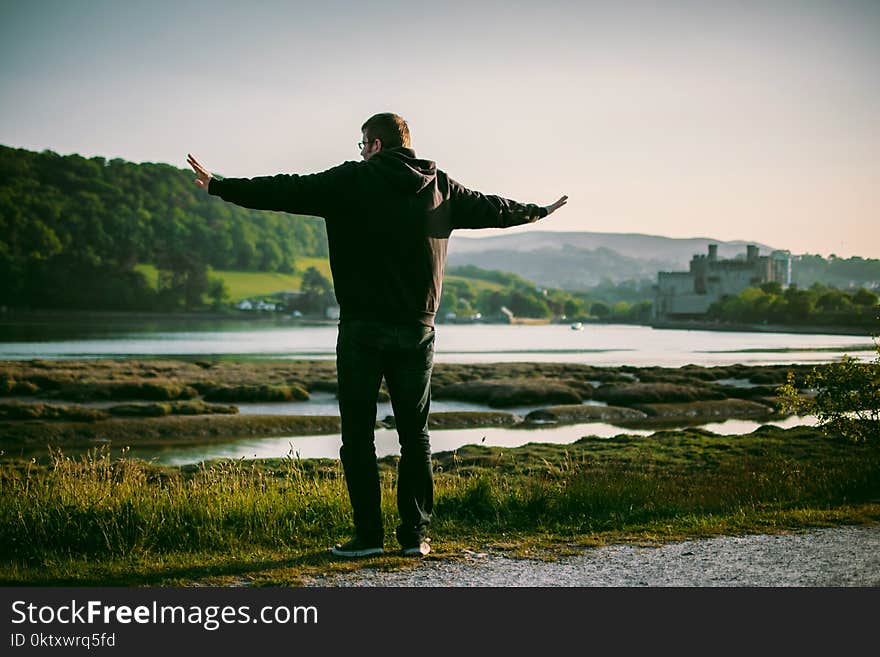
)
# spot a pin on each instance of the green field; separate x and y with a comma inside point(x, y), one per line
point(477, 284)
point(251, 284)
point(255, 284)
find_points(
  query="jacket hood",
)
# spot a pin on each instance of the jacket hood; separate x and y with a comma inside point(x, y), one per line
point(403, 170)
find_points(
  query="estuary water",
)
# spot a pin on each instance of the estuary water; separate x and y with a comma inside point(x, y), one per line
point(596, 344)
point(599, 344)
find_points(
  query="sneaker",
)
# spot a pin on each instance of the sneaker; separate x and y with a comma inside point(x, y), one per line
point(356, 547)
point(420, 550)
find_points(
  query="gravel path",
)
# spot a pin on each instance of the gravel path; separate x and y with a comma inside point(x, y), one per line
point(838, 556)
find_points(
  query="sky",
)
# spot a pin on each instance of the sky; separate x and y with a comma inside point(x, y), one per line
point(733, 120)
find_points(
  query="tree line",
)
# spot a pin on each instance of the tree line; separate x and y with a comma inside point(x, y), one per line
point(842, 273)
point(818, 305)
point(72, 230)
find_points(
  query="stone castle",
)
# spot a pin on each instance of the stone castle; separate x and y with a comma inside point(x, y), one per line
point(688, 294)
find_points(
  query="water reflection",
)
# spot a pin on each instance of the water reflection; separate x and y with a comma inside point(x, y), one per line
point(327, 446)
point(325, 403)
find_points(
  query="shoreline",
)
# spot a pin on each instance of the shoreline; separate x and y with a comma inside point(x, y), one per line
point(762, 328)
point(14, 317)
point(11, 317)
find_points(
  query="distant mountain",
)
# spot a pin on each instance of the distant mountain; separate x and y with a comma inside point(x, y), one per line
point(581, 260)
point(643, 247)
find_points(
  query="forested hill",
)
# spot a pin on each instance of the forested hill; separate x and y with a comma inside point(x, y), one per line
point(72, 230)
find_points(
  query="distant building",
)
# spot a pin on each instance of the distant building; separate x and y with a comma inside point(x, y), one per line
point(689, 294)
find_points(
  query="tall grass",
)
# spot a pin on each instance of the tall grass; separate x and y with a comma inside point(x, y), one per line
point(578, 497)
point(99, 505)
point(107, 506)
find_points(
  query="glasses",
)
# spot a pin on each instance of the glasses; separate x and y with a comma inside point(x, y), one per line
point(361, 144)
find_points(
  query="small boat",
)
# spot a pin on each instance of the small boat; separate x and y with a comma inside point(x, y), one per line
point(577, 326)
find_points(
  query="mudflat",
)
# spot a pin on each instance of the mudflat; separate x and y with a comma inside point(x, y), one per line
point(82, 403)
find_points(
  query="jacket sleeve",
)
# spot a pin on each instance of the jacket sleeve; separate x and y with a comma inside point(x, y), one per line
point(313, 194)
point(472, 209)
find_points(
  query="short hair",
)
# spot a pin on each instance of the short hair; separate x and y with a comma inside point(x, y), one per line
point(388, 127)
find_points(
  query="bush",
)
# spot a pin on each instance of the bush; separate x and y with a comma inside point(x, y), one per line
point(847, 399)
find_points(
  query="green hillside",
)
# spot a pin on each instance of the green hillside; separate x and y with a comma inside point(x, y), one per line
point(477, 284)
point(74, 230)
point(248, 284)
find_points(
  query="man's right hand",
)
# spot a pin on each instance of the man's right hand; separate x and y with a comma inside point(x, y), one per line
point(553, 207)
point(203, 176)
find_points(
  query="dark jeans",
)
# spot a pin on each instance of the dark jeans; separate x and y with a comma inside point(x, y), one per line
point(366, 351)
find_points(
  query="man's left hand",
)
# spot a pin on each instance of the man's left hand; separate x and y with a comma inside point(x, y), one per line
point(203, 176)
point(553, 207)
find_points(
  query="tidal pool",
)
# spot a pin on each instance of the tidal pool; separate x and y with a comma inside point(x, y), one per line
point(442, 440)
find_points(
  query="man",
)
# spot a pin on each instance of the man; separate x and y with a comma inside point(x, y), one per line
point(388, 223)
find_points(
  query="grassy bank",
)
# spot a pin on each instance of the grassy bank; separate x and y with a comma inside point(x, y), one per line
point(248, 284)
point(107, 519)
point(164, 430)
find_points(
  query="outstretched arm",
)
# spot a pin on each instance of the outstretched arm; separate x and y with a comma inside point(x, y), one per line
point(313, 194)
point(471, 209)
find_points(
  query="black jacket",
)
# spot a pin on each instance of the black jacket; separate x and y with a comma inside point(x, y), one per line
point(388, 224)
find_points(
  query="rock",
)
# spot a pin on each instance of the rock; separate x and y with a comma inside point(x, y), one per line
point(511, 392)
point(727, 408)
point(257, 393)
point(654, 393)
point(463, 420)
point(583, 413)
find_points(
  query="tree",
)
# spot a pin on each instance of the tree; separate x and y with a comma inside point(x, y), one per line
point(847, 399)
point(573, 307)
point(600, 310)
point(525, 304)
point(313, 281)
point(218, 292)
point(268, 256)
point(317, 291)
point(183, 280)
point(864, 297)
point(833, 301)
point(799, 304)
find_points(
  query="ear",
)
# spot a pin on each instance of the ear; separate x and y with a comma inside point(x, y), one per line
point(378, 144)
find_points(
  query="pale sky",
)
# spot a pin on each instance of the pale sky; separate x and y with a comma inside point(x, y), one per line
point(753, 120)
